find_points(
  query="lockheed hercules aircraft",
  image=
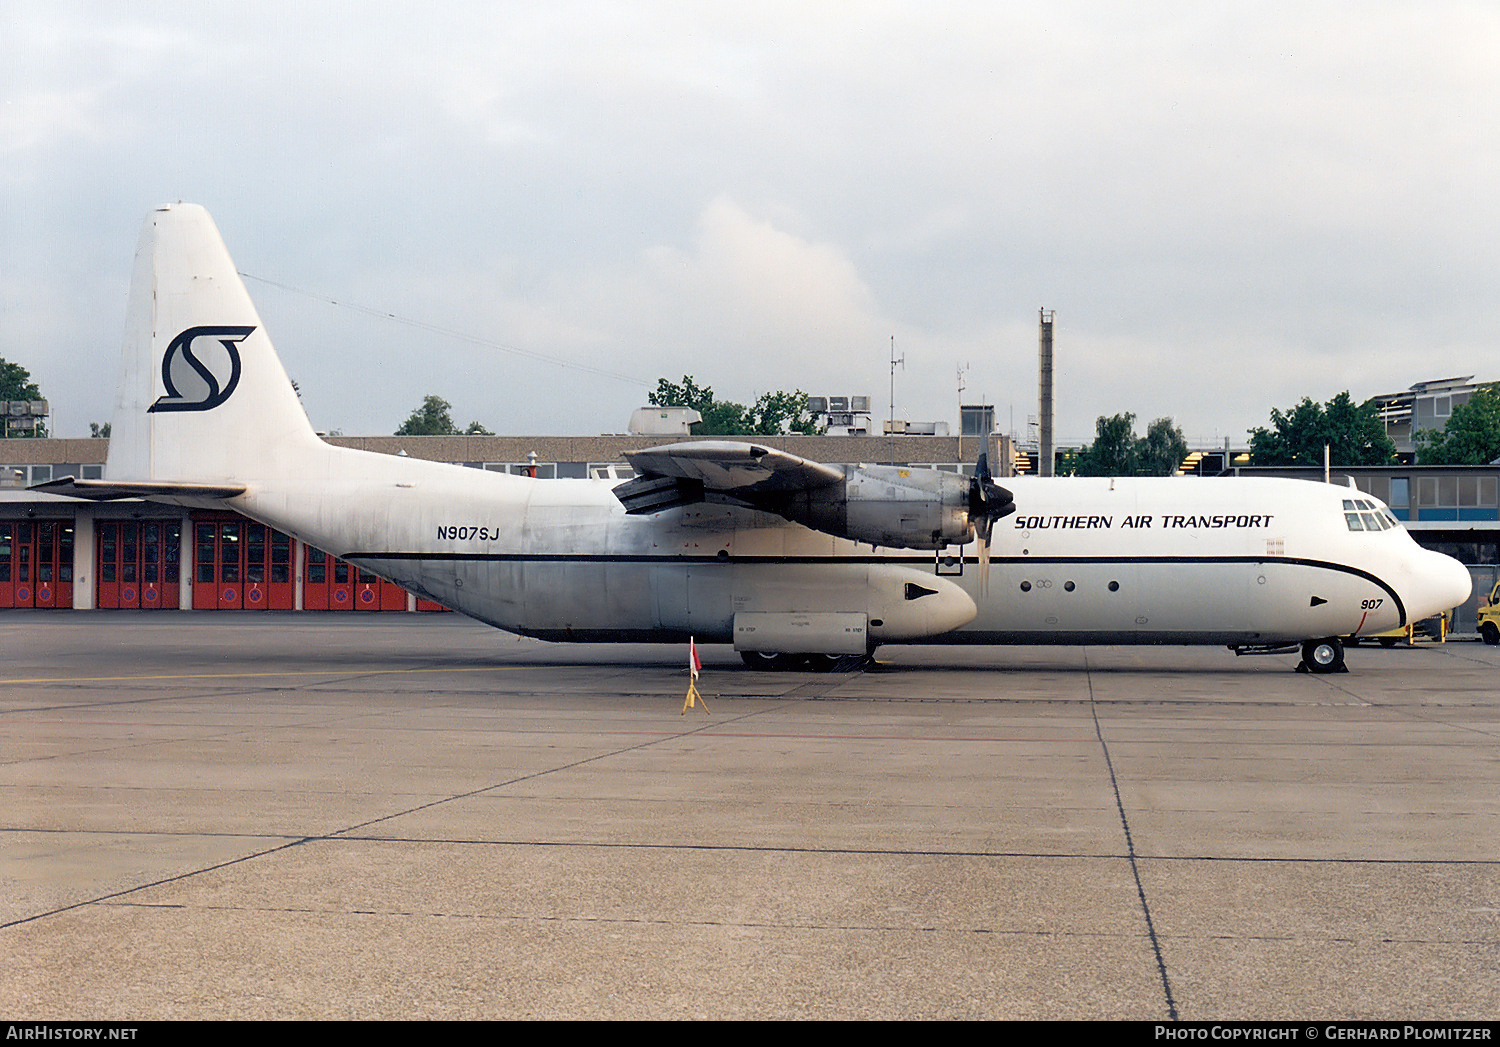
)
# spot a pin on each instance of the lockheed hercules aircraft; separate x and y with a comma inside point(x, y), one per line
point(794, 562)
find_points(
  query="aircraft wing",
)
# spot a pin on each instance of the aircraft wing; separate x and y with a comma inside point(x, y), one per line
point(108, 490)
point(901, 506)
point(721, 470)
point(725, 465)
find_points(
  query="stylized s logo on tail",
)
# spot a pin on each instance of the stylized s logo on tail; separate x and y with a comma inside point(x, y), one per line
point(197, 383)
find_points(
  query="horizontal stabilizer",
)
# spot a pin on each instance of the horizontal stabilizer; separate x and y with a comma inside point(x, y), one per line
point(109, 490)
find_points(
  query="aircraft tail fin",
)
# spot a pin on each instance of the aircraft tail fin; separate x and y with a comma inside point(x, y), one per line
point(202, 398)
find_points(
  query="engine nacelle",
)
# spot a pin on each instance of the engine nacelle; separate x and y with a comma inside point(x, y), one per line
point(888, 505)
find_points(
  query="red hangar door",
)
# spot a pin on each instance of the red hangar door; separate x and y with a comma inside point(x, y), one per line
point(36, 563)
point(326, 583)
point(240, 565)
point(331, 584)
point(138, 564)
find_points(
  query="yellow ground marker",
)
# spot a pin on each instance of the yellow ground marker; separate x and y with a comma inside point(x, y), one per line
point(694, 668)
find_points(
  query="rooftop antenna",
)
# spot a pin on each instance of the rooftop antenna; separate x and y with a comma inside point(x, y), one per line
point(891, 424)
point(963, 372)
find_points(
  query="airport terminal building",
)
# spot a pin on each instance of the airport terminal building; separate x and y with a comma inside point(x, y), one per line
point(59, 552)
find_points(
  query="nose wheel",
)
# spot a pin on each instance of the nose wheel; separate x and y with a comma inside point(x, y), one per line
point(1323, 656)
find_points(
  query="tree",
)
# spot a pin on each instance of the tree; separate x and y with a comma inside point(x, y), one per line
point(1161, 451)
point(1113, 451)
point(1354, 435)
point(16, 384)
point(772, 414)
point(1117, 451)
point(1472, 435)
point(430, 419)
point(775, 413)
point(719, 418)
point(433, 419)
point(98, 431)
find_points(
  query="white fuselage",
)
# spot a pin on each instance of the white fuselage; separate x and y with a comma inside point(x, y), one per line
point(207, 416)
point(1179, 560)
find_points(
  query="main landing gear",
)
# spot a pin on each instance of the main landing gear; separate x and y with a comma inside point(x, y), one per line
point(815, 663)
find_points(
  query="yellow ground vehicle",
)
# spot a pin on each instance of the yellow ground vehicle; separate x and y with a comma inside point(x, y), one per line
point(1434, 628)
point(1489, 617)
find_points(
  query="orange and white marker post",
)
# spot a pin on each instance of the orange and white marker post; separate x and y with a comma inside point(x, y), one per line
point(694, 668)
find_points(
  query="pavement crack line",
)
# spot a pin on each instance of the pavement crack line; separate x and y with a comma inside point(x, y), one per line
point(787, 924)
point(582, 762)
point(338, 833)
point(342, 833)
point(1421, 714)
point(1135, 870)
point(659, 921)
point(805, 692)
point(123, 892)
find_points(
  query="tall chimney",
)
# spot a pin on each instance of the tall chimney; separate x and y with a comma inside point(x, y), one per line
point(1044, 398)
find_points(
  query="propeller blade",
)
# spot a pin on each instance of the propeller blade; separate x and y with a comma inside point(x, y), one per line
point(988, 502)
point(987, 499)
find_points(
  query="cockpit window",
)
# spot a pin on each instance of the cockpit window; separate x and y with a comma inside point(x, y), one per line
point(1365, 514)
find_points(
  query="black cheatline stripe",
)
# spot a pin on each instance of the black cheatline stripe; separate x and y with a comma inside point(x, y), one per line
point(895, 561)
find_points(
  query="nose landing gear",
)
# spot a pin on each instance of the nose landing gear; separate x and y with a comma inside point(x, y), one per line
point(1323, 656)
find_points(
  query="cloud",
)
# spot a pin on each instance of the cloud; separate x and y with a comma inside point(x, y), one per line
point(1229, 208)
point(767, 287)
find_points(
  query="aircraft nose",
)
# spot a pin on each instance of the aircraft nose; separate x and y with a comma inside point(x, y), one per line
point(1457, 582)
point(1442, 584)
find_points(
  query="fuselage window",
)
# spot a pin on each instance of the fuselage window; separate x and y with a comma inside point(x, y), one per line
point(1352, 519)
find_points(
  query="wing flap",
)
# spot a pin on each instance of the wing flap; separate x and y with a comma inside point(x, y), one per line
point(652, 494)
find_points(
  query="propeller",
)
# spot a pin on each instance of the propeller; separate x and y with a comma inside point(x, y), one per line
point(988, 502)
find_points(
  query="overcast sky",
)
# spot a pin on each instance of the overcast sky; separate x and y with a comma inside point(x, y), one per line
point(1228, 209)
